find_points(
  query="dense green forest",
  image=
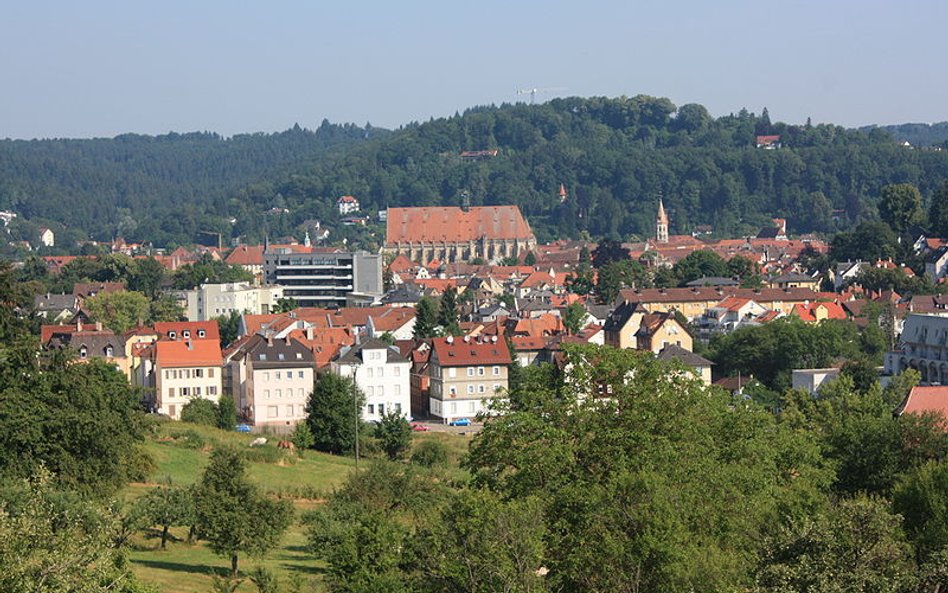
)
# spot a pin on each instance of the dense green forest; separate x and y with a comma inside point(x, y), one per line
point(917, 134)
point(614, 156)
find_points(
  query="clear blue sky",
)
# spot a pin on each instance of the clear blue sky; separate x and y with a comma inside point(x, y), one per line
point(95, 68)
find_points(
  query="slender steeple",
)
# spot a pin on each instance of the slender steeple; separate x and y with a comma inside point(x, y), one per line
point(562, 193)
point(661, 223)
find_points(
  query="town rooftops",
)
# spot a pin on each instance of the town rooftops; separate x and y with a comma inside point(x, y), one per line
point(246, 255)
point(270, 353)
point(456, 352)
point(195, 330)
point(452, 224)
point(705, 294)
point(355, 355)
point(688, 358)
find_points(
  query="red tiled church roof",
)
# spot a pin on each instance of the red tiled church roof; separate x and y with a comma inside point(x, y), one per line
point(436, 224)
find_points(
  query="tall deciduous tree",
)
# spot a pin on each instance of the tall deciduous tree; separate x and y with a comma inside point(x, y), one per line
point(394, 435)
point(900, 206)
point(333, 413)
point(232, 515)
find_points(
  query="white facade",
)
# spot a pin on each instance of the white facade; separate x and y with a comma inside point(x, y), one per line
point(347, 205)
point(383, 375)
point(213, 300)
point(176, 386)
point(47, 237)
point(277, 396)
point(810, 380)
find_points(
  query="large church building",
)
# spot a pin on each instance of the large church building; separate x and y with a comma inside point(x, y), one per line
point(451, 234)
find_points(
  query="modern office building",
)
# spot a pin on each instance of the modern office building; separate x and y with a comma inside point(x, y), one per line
point(322, 277)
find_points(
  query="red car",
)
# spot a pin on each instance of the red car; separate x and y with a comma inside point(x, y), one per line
point(419, 427)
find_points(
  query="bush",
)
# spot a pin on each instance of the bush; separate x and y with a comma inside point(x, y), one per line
point(430, 454)
point(191, 439)
point(139, 466)
point(302, 437)
point(200, 411)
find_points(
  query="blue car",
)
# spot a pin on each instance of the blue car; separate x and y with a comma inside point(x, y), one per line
point(243, 428)
point(460, 422)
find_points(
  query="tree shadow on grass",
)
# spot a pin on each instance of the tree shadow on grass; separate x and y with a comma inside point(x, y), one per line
point(182, 567)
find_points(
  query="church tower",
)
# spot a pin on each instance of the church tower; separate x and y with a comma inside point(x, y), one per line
point(661, 224)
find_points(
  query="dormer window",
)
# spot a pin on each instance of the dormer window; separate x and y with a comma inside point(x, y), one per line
point(109, 352)
point(201, 333)
point(263, 357)
point(83, 352)
point(186, 333)
point(172, 335)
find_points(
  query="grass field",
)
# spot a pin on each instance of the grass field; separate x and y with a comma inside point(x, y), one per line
point(181, 451)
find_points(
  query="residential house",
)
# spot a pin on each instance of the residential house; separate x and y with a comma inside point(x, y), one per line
point(347, 205)
point(383, 375)
point(270, 379)
point(179, 370)
point(693, 302)
point(56, 308)
point(46, 237)
point(659, 330)
point(817, 312)
point(248, 257)
point(214, 300)
point(810, 380)
point(88, 343)
point(729, 314)
point(936, 264)
point(622, 325)
point(466, 374)
point(700, 364)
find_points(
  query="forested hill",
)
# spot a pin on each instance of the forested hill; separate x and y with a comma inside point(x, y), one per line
point(918, 134)
point(137, 185)
point(614, 156)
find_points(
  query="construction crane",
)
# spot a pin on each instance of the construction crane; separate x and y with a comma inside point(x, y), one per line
point(533, 92)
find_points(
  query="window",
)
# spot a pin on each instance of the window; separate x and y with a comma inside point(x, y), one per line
point(186, 333)
point(300, 392)
point(198, 373)
point(289, 411)
point(184, 392)
point(266, 393)
point(212, 390)
point(201, 333)
point(109, 351)
point(397, 371)
point(470, 371)
point(266, 376)
point(370, 372)
point(197, 391)
point(167, 374)
point(299, 374)
point(187, 373)
point(172, 335)
point(278, 377)
point(454, 407)
point(380, 372)
point(380, 391)
point(453, 391)
point(171, 411)
point(381, 409)
point(496, 371)
point(398, 408)
point(452, 372)
point(480, 389)
point(273, 411)
point(83, 352)
point(470, 389)
point(398, 390)
point(279, 393)
point(171, 392)
point(371, 392)
point(210, 373)
point(497, 387)
point(371, 409)
point(480, 371)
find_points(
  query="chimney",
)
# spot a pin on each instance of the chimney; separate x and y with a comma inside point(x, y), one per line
point(190, 345)
point(309, 333)
point(98, 326)
point(269, 339)
point(78, 325)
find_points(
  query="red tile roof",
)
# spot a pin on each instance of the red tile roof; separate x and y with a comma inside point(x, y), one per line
point(807, 312)
point(926, 399)
point(457, 352)
point(436, 224)
point(188, 353)
point(246, 255)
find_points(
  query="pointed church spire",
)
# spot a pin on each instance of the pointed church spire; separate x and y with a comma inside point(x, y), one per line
point(661, 223)
point(562, 193)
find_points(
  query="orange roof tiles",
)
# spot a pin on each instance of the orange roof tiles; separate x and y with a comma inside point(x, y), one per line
point(452, 224)
point(921, 400)
point(808, 312)
point(210, 330)
point(188, 353)
point(246, 255)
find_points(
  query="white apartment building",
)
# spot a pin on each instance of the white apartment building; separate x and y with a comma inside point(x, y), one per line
point(181, 370)
point(466, 374)
point(213, 300)
point(270, 379)
point(383, 375)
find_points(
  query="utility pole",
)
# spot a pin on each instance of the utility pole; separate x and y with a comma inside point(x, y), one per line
point(355, 407)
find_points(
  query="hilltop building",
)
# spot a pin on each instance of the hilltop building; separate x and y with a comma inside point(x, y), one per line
point(452, 234)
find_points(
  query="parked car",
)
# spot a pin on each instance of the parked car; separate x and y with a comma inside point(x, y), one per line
point(460, 422)
point(243, 428)
point(419, 427)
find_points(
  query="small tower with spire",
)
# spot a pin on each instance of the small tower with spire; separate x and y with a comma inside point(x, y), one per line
point(661, 223)
point(562, 193)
